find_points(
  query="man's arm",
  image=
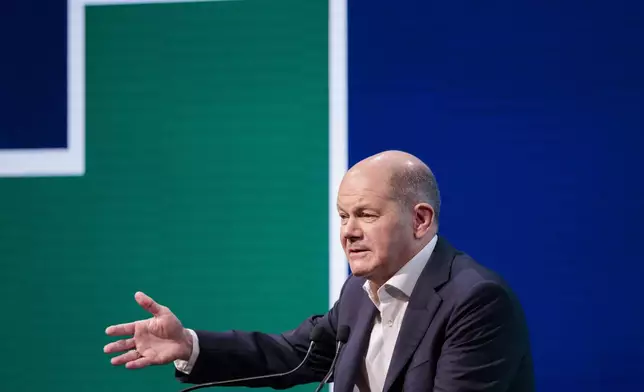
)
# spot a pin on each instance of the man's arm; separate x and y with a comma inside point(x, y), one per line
point(485, 341)
point(237, 354)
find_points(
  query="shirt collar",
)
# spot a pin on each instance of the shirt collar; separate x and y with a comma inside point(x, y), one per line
point(405, 279)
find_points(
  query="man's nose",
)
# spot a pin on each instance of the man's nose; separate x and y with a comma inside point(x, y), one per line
point(351, 230)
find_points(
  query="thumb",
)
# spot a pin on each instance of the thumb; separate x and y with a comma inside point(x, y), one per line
point(148, 304)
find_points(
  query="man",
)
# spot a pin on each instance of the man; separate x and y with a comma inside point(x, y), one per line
point(423, 316)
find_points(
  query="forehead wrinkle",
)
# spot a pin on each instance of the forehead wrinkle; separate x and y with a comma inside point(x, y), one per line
point(362, 203)
point(359, 199)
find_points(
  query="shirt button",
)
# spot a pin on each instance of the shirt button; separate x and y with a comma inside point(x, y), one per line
point(390, 323)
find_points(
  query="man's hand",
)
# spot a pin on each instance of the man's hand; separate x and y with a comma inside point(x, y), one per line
point(157, 341)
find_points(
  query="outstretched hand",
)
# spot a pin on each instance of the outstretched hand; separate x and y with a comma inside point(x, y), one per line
point(158, 340)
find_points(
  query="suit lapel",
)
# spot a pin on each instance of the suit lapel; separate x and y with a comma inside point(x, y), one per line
point(423, 304)
point(353, 353)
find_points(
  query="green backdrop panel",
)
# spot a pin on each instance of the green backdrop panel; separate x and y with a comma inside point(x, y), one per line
point(206, 187)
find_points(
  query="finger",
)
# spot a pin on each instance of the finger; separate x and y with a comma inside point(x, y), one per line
point(121, 329)
point(139, 363)
point(125, 358)
point(120, 345)
point(148, 304)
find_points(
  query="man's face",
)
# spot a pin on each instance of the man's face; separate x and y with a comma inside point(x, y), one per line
point(376, 234)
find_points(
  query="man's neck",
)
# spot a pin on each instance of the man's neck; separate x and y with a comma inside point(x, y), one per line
point(376, 282)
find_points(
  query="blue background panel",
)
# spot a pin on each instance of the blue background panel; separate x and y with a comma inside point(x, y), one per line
point(33, 74)
point(530, 114)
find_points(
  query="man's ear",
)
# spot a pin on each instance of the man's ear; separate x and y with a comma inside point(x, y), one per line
point(423, 219)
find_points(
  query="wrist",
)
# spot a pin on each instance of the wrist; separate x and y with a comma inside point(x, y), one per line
point(187, 345)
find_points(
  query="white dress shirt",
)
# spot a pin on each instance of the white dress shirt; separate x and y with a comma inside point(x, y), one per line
point(391, 300)
point(186, 366)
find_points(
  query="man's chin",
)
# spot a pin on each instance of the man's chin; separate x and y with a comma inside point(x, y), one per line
point(361, 270)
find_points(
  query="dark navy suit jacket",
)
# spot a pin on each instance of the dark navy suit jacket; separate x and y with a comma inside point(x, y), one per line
point(463, 331)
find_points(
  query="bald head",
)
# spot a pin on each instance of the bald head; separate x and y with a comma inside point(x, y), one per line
point(388, 207)
point(411, 181)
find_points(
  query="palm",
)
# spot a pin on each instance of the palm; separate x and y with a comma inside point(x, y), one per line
point(158, 338)
point(155, 341)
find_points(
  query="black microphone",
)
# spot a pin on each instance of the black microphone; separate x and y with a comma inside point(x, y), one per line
point(341, 338)
point(316, 336)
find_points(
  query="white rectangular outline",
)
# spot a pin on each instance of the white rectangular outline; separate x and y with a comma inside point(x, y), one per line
point(338, 141)
point(68, 161)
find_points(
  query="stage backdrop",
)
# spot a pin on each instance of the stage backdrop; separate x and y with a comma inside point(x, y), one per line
point(174, 169)
point(205, 185)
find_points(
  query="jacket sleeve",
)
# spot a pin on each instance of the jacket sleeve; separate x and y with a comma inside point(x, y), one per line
point(237, 354)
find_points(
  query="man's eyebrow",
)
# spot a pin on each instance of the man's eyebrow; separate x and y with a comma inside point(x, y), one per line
point(358, 207)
